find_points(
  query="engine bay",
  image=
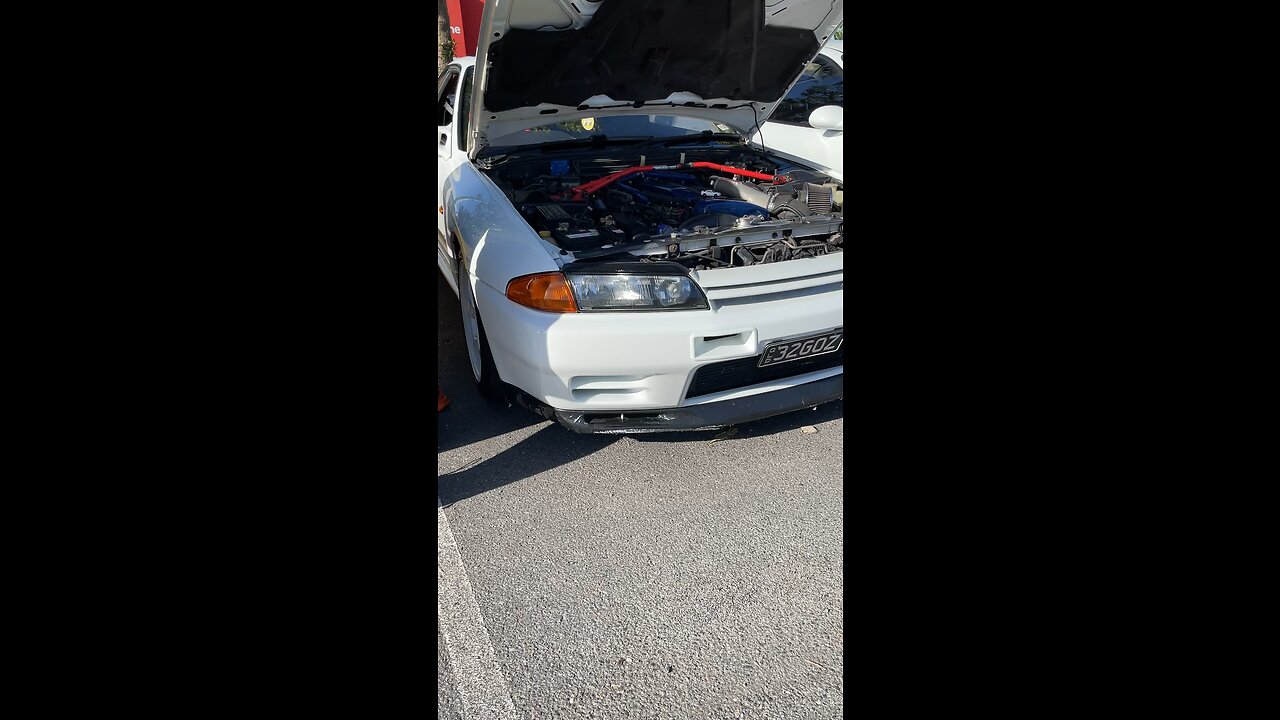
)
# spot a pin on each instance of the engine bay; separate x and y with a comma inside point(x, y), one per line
point(717, 209)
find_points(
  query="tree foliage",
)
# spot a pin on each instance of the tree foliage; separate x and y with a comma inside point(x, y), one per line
point(444, 43)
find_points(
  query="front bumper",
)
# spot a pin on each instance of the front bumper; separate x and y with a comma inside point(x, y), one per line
point(707, 416)
point(645, 362)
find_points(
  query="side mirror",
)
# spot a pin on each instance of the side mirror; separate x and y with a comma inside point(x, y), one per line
point(828, 117)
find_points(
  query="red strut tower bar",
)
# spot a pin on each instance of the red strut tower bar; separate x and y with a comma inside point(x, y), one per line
point(578, 191)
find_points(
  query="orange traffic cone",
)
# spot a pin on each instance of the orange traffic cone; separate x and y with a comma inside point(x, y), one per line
point(442, 402)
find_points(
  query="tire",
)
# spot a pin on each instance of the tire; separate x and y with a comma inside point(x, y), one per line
point(483, 370)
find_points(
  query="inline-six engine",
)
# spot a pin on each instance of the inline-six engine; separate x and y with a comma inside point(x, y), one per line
point(701, 214)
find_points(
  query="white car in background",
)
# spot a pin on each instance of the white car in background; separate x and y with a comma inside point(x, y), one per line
point(624, 259)
point(809, 124)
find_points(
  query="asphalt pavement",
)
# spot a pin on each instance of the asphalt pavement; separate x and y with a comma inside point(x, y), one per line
point(674, 575)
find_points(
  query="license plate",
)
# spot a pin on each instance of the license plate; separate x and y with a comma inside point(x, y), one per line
point(796, 349)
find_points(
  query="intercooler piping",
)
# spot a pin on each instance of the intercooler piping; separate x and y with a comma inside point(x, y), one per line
point(576, 192)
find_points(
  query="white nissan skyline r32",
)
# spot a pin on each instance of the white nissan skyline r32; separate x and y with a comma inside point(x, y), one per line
point(624, 260)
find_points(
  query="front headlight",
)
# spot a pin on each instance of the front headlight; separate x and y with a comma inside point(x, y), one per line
point(623, 291)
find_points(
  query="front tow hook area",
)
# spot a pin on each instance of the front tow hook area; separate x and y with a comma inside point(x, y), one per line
point(710, 416)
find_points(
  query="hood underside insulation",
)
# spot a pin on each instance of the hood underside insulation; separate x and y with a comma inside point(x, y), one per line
point(645, 50)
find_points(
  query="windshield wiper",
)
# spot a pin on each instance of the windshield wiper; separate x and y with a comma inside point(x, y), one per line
point(704, 136)
point(491, 161)
point(593, 141)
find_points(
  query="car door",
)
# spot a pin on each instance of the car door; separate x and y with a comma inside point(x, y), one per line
point(448, 156)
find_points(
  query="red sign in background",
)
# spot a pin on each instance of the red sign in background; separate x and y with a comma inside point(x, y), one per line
point(464, 25)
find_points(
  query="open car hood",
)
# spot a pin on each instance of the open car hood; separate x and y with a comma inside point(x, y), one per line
point(726, 61)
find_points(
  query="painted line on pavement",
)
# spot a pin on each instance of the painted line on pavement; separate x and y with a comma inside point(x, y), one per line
point(481, 686)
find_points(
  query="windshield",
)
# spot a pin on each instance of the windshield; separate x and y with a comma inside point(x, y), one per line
point(626, 126)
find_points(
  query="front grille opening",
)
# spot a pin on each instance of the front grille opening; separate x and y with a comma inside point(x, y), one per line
point(740, 373)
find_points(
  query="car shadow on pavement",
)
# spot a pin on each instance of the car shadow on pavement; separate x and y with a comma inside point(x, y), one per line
point(471, 419)
point(553, 446)
point(550, 447)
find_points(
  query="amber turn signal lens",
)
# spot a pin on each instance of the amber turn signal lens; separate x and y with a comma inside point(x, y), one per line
point(545, 291)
